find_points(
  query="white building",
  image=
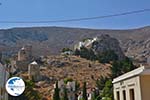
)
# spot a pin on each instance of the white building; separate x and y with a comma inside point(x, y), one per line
point(34, 71)
point(4, 75)
point(71, 90)
point(134, 85)
point(70, 86)
point(86, 43)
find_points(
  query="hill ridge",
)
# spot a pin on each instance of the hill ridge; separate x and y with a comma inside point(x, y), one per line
point(50, 40)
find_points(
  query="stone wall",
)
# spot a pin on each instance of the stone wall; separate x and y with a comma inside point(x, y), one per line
point(22, 65)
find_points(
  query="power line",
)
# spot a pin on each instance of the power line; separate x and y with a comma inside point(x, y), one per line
point(81, 19)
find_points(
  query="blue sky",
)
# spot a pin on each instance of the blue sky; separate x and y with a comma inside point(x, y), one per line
point(37, 10)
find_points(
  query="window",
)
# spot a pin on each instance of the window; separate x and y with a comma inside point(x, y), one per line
point(132, 96)
point(118, 95)
point(124, 94)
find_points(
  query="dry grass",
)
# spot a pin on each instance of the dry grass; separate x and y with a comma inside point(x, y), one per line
point(76, 68)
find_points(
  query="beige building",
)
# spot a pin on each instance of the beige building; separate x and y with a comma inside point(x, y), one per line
point(134, 85)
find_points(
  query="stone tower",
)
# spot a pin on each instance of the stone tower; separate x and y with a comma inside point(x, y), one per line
point(28, 51)
point(25, 54)
point(24, 58)
point(22, 54)
point(34, 71)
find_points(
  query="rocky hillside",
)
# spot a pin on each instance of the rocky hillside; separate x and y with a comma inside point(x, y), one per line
point(70, 67)
point(50, 40)
point(105, 43)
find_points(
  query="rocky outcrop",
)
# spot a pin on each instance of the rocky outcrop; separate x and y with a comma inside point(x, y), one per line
point(138, 50)
point(100, 45)
point(107, 43)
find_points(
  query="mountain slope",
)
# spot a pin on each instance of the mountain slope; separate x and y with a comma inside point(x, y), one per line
point(50, 40)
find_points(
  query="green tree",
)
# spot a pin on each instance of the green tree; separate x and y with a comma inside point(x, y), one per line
point(65, 97)
point(92, 55)
point(77, 85)
point(116, 69)
point(127, 65)
point(107, 92)
point(96, 95)
point(101, 82)
point(120, 67)
point(77, 52)
point(66, 80)
point(84, 91)
point(86, 53)
point(30, 93)
point(66, 49)
point(107, 56)
point(56, 93)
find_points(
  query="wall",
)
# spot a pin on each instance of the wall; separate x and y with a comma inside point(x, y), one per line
point(3, 78)
point(22, 65)
point(145, 84)
point(34, 72)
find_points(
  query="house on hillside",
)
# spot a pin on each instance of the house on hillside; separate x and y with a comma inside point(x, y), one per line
point(134, 85)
